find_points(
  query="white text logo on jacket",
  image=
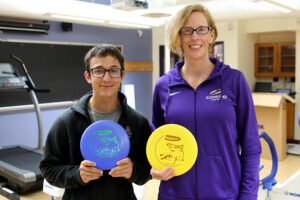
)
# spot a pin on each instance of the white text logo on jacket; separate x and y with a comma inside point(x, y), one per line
point(216, 95)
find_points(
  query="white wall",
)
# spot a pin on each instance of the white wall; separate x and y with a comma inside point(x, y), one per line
point(228, 33)
point(276, 37)
point(246, 53)
point(158, 38)
point(272, 25)
point(238, 47)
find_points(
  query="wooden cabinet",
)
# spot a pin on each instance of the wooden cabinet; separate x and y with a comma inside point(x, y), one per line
point(275, 59)
point(290, 117)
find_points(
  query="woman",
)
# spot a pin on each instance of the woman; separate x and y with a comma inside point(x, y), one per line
point(215, 103)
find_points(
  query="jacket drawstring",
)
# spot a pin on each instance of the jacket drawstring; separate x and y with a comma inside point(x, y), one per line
point(221, 87)
point(168, 94)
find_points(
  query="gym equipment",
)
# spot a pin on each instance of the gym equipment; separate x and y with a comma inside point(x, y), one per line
point(105, 142)
point(172, 145)
point(270, 190)
point(289, 190)
point(269, 181)
point(19, 165)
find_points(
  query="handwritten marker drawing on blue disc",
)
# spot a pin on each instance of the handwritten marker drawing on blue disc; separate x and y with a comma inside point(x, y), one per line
point(105, 143)
point(108, 146)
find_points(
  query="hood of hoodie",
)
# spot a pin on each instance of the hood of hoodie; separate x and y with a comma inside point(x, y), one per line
point(176, 78)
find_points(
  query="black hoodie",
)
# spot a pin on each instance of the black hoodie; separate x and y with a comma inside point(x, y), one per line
point(62, 156)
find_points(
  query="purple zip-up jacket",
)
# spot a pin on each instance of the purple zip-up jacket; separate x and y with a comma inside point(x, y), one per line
point(221, 115)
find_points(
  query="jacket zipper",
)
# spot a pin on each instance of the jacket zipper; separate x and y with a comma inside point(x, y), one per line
point(195, 119)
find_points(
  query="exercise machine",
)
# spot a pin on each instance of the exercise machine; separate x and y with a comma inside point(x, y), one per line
point(19, 165)
point(269, 181)
point(269, 189)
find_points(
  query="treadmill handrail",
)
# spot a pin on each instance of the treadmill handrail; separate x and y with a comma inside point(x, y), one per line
point(28, 80)
point(32, 90)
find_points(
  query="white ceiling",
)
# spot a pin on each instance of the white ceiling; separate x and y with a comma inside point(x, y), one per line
point(103, 15)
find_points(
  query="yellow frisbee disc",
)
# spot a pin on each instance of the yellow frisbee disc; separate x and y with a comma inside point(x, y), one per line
point(173, 146)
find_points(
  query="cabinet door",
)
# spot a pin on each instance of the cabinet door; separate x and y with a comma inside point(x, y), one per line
point(286, 61)
point(265, 59)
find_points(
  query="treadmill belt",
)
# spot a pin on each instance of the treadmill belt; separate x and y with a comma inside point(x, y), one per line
point(21, 158)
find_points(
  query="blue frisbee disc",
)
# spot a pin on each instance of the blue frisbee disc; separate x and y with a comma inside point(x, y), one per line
point(105, 143)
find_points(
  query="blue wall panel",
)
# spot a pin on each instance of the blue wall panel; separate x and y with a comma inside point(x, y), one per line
point(21, 128)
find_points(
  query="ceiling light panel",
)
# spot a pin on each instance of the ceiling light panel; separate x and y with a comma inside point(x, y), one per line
point(274, 6)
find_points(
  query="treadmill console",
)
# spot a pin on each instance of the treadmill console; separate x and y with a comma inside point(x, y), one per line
point(9, 79)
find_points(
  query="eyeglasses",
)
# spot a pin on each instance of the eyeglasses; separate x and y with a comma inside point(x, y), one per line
point(99, 72)
point(202, 30)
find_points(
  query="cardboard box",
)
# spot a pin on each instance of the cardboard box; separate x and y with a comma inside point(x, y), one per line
point(271, 117)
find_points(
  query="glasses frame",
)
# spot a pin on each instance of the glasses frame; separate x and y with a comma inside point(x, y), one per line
point(209, 28)
point(106, 70)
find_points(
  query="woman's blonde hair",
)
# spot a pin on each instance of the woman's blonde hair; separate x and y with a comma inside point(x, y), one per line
point(179, 20)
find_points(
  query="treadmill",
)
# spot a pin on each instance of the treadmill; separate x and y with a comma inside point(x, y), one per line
point(19, 165)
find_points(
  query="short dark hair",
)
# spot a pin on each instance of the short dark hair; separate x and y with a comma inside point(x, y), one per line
point(103, 50)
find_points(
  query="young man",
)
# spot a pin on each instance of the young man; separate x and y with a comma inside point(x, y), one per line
point(63, 165)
